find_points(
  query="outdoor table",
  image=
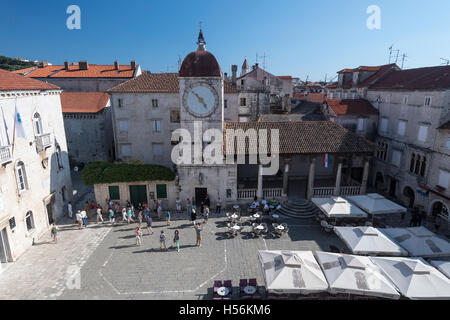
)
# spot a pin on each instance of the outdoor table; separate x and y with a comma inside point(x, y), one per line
point(252, 206)
point(256, 216)
point(271, 207)
point(275, 216)
point(236, 227)
point(236, 206)
point(259, 227)
point(250, 290)
point(280, 227)
point(234, 216)
point(223, 291)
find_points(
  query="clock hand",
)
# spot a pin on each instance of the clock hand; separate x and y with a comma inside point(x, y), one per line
point(200, 99)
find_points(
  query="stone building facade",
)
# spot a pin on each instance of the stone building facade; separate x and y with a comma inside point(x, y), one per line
point(35, 182)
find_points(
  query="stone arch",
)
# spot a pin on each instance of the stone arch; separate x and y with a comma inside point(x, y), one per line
point(436, 207)
point(408, 193)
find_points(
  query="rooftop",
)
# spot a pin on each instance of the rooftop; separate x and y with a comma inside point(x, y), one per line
point(351, 106)
point(83, 102)
point(10, 81)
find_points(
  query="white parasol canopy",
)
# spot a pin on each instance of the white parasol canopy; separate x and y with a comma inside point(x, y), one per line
point(369, 241)
point(374, 203)
point(414, 277)
point(442, 266)
point(338, 207)
point(292, 272)
point(351, 274)
point(419, 241)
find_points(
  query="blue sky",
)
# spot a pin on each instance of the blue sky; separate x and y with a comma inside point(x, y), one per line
point(300, 38)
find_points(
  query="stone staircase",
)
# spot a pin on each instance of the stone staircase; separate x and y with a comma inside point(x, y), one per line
point(299, 209)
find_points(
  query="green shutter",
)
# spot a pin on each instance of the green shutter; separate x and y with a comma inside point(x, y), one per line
point(114, 193)
point(161, 191)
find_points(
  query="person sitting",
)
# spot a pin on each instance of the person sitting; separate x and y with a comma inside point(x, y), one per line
point(273, 202)
point(278, 207)
point(263, 201)
point(266, 208)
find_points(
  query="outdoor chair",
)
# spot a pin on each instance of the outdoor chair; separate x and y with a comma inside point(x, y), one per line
point(217, 285)
point(274, 225)
point(227, 283)
point(252, 282)
point(242, 284)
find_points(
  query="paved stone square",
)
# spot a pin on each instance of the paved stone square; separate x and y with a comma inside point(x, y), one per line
point(113, 267)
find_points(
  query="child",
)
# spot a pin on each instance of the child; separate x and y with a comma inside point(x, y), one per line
point(99, 214)
point(112, 219)
point(176, 240)
point(162, 240)
point(138, 236)
point(54, 233)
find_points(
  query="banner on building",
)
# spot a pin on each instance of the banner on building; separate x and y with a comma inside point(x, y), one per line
point(326, 160)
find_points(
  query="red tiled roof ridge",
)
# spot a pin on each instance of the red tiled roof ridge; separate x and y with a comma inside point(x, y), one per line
point(83, 102)
point(10, 81)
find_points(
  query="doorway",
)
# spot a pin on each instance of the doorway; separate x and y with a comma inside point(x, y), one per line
point(409, 194)
point(49, 208)
point(200, 195)
point(392, 187)
point(4, 246)
point(138, 194)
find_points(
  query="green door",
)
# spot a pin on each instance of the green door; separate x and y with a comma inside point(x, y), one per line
point(138, 194)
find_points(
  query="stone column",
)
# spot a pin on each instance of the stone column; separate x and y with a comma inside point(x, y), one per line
point(365, 176)
point(287, 162)
point(259, 191)
point(312, 165)
point(337, 189)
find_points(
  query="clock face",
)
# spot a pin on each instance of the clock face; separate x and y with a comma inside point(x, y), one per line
point(200, 100)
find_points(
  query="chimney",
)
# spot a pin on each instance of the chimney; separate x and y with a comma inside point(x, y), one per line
point(43, 64)
point(133, 64)
point(66, 65)
point(233, 74)
point(225, 76)
point(83, 65)
point(116, 65)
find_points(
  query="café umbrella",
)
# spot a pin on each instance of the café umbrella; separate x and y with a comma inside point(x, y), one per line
point(291, 272)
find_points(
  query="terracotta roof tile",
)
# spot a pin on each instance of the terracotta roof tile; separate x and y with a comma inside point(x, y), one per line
point(303, 137)
point(419, 78)
point(158, 82)
point(351, 106)
point(83, 102)
point(94, 71)
point(10, 81)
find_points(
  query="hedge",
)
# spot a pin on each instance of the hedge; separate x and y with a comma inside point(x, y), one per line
point(105, 172)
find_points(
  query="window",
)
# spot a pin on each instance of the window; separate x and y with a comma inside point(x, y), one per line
point(21, 177)
point(444, 177)
point(413, 161)
point(405, 99)
point(331, 95)
point(383, 124)
point(37, 124)
point(345, 95)
point(427, 101)
point(423, 166)
point(225, 103)
point(114, 193)
point(353, 95)
point(360, 124)
point(401, 127)
point(155, 103)
point(123, 126)
point(242, 82)
point(29, 220)
point(63, 193)
point(125, 150)
point(175, 116)
point(243, 102)
point(157, 150)
point(161, 191)
point(156, 124)
point(120, 103)
point(243, 119)
point(58, 158)
point(228, 193)
point(423, 131)
point(381, 154)
point(396, 158)
point(418, 164)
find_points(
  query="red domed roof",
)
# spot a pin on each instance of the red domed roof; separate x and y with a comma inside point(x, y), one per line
point(200, 63)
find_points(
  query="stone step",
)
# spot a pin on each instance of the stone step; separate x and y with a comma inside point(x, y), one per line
point(299, 209)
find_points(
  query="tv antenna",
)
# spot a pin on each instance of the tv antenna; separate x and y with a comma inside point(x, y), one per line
point(179, 61)
point(404, 56)
point(264, 56)
point(391, 50)
point(446, 61)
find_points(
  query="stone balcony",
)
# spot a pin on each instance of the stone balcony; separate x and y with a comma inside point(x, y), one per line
point(5, 154)
point(43, 141)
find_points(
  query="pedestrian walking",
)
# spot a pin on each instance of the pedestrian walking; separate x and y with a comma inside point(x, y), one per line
point(84, 217)
point(155, 207)
point(138, 236)
point(79, 219)
point(112, 218)
point(159, 210)
point(139, 218)
point(124, 215)
point(168, 217)
point(129, 215)
point(193, 215)
point(91, 208)
point(188, 206)
point(198, 229)
point(162, 240)
point(178, 205)
point(206, 214)
point(176, 240)
point(111, 204)
point(54, 233)
point(218, 205)
point(99, 214)
point(69, 209)
point(149, 224)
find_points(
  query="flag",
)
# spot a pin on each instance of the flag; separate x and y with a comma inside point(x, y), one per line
point(422, 190)
point(19, 124)
point(326, 160)
point(5, 126)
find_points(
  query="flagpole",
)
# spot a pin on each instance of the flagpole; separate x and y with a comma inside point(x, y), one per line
point(14, 128)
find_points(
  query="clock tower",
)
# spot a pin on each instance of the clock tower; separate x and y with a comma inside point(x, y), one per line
point(201, 100)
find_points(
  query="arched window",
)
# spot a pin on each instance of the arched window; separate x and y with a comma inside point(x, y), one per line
point(37, 124)
point(58, 158)
point(416, 171)
point(423, 167)
point(413, 158)
point(29, 220)
point(22, 184)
